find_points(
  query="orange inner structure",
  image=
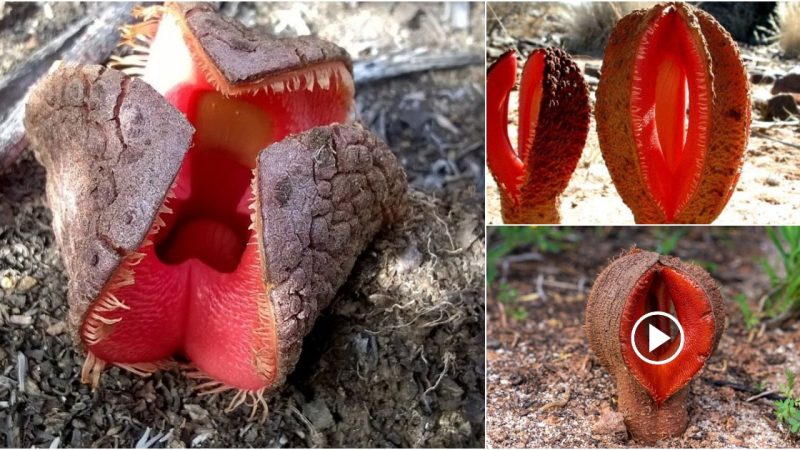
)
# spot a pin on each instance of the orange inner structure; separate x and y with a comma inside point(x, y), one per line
point(665, 289)
point(508, 165)
point(196, 286)
point(670, 74)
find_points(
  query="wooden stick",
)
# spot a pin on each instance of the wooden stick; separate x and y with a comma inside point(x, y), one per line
point(758, 396)
point(743, 388)
point(89, 41)
point(421, 59)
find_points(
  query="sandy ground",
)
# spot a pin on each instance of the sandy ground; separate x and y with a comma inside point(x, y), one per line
point(544, 359)
point(767, 192)
point(398, 358)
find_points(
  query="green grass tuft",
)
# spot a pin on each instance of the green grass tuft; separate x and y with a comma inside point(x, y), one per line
point(783, 302)
point(788, 409)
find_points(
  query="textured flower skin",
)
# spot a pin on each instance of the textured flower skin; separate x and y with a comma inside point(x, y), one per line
point(653, 397)
point(212, 206)
point(670, 167)
point(553, 125)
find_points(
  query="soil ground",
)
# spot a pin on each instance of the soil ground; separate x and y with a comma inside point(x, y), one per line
point(396, 361)
point(545, 388)
point(769, 186)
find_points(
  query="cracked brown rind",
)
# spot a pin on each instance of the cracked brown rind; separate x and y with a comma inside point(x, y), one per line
point(729, 116)
point(112, 147)
point(560, 136)
point(647, 421)
point(243, 56)
point(323, 196)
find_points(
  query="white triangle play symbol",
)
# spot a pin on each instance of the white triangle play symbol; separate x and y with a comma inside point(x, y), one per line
point(656, 338)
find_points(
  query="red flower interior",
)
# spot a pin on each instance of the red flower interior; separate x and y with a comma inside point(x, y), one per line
point(670, 76)
point(506, 164)
point(665, 289)
point(196, 286)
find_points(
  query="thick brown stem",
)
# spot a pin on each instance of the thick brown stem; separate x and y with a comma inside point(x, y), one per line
point(525, 213)
point(646, 421)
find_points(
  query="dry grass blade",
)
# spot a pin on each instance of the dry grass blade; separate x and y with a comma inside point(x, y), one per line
point(789, 22)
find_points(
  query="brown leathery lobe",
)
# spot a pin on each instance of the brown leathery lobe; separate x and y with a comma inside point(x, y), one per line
point(648, 417)
point(243, 56)
point(322, 197)
point(730, 125)
point(560, 135)
point(112, 147)
point(614, 129)
point(726, 83)
point(562, 127)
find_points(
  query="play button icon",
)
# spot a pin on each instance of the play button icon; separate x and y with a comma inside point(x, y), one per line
point(656, 338)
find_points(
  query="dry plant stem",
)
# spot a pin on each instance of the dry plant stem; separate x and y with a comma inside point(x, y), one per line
point(543, 213)
point(647, 421)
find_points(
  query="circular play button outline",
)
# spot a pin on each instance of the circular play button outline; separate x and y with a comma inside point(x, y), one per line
point(633, 340)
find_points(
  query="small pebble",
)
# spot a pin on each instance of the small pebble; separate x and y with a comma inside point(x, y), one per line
point(318, 414)
point(593, 70)
point(782, 107)
point(730, 424)
point(787, 83)
point(196, 412)
point(21, 320)
point(775, 358)
point(26, 283)
point(56, 328)
point(591, 81)
point(610, 423)
point(7, 282)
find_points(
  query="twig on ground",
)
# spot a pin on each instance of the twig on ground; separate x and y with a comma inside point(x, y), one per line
point(758, 125)
point(558, 403)
point(540, 288)
point(763, 394)
point(744, 388)
point(506, 262)
point(86, 42)
point(585, 363)
point(562, 285)
point(779, 320)
point(770, 138)
point(22, 371)
point(503, 318)
point(411, 61)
